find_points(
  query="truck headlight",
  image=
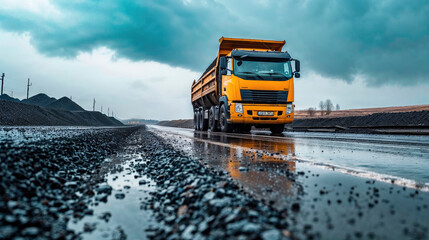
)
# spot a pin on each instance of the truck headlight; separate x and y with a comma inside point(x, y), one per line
point(239, 108)
point(289, 108)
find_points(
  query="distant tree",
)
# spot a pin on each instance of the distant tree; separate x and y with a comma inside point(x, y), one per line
point(322, 107)
point(329, 106)
point(337, 107)
point(311, 111)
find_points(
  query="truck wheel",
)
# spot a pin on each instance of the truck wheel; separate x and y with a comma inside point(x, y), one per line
point(199, 119)
point(195, 119)
point(277, 129)
point(224, 125)
point(212, 120)
point(203, 122)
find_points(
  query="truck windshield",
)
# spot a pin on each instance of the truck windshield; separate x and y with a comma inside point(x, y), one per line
point(262, 69)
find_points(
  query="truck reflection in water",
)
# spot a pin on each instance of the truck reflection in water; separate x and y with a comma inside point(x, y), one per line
point(268, 174)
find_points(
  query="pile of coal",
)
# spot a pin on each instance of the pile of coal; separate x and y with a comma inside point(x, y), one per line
point(46, 182)
point(195, 202)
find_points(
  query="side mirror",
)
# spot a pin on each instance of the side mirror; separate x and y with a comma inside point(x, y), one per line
point(297, 66)
point(297, 75)
point(223, 72)
point(222, 63)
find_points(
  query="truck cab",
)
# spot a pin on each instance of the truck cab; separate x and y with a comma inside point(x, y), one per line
point(259, 87)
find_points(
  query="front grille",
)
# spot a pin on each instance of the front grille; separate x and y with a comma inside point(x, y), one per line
point(258, 96)
point(263, 118)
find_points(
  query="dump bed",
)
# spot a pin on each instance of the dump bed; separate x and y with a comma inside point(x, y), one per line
point(204, 91)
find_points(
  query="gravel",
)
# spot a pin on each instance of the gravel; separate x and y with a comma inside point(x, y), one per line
point(46, 181)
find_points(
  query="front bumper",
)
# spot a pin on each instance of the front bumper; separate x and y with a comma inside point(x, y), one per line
point(250, 114)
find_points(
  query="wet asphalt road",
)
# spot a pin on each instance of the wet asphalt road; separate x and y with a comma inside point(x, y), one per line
point(346, 186)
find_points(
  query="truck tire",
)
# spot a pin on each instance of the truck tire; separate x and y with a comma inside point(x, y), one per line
point(199, 120)
point(195, 119)
point(203, 122)
point(224, 125)
point(277, 129)
point(212, 120)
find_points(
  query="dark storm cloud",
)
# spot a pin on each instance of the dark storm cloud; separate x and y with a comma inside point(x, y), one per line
point(386, 41)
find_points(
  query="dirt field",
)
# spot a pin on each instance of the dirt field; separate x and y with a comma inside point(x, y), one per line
point(361, 112)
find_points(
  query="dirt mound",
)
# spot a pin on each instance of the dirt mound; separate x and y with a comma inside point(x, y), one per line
point(183, 123)
point(6, 97)
point(40, 99)
point(43, 100)
point(65, 103)
point(19, 114)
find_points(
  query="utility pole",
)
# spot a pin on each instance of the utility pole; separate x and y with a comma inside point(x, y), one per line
point(108, 111)
point(101, 109)
point(28, 87)
point(12, 93)
point(93, 105)
point(2, 81)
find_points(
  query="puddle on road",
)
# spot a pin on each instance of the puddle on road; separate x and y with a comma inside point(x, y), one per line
point(263, 175)
point(119, 217)
point(266, 176)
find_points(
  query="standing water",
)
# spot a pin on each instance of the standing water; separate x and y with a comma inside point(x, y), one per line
point(121, 216)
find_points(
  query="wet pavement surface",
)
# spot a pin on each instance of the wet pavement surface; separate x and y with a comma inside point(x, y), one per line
point(339, 186)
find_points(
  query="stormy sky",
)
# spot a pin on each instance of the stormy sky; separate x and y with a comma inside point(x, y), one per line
point(140, 57)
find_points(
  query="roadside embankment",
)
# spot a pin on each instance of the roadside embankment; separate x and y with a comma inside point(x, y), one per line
point(21, 114)
point(400, 122)
point(392, 122)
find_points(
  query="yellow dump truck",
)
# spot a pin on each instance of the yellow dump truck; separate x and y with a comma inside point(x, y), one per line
point(249, 83)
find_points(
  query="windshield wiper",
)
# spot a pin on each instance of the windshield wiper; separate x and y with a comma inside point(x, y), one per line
point(278, 73)
point(259, 76)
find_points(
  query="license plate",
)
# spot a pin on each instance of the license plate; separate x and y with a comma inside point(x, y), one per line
point(264, 113)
